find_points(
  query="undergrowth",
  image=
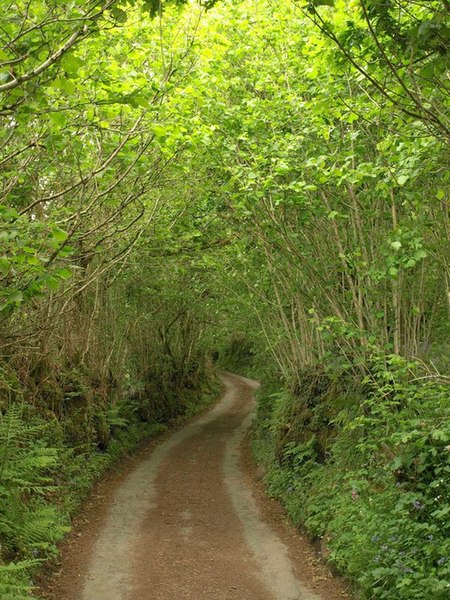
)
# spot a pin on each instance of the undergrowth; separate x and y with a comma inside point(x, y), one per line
point(365, 469)
point(46, 472)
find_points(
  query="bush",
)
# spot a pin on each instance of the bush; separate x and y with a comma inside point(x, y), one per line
point(49, 462)
point(378, 490)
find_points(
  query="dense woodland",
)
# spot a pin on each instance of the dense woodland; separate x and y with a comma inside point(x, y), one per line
point(261, 184)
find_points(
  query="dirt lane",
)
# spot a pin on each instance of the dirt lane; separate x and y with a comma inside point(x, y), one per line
point(190, 522)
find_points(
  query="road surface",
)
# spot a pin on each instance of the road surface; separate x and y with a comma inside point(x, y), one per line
point(190, 521)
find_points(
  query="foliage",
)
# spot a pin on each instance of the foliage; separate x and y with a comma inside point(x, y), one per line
point(236, 354)
point(376, 491)
point(29, 526)
point(262, 182)
point(45, 473)
point(318, 202)
point(400, 48)
point(96, 352)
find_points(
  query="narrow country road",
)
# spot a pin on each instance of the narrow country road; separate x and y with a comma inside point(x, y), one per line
point(190, 522)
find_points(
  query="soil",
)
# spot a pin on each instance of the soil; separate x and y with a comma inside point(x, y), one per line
point(188, 518)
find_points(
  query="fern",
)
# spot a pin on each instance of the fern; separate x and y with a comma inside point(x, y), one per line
point(14, 580)
point(29, 527)
point(43, 527)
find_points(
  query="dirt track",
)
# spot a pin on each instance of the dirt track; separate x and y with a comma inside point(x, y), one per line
point(189, 521)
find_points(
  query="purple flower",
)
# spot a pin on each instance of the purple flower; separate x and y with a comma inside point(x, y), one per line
point(417, 505)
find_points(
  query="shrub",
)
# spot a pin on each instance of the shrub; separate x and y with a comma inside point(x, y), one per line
point(380, 494)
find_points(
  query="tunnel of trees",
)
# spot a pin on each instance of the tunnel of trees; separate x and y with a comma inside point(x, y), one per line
point(259, 185)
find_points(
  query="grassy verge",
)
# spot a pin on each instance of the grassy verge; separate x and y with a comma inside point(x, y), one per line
point(364, 467)
point(44, 479)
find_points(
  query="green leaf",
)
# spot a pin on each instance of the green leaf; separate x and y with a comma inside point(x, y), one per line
point(58, 118)
point(4, 265)
point(15, 297)
point(51, 282)
point(71, 64)
point(119, 15)
point(159, 131)
point(59, 235)
point(64, 273)
point(65, 85)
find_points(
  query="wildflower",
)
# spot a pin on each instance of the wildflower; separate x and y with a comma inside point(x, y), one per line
point(355, 495)
point(375, 538)
point(442, 561)
point(417, 505)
